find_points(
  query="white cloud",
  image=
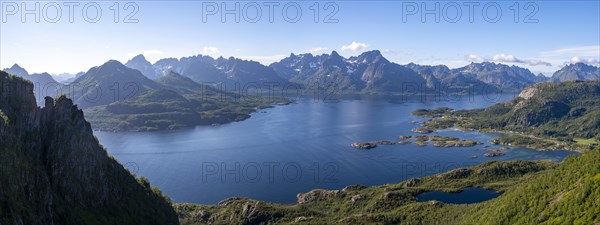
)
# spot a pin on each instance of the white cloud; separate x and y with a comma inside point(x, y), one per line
point(535, 62)
point(317, 50)
point(473, 58)
point(589, 61)
point(355, 47)
point(589, 54)
point(512, 59)
point(507, 58)
point(211, 51)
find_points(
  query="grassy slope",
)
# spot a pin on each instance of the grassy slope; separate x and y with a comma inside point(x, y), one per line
point(569, 194)
point(554, 116)
point(534, 193)
point(395, 203)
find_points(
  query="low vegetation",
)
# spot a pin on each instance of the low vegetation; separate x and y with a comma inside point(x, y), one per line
point(533, 192)
point(545, 116)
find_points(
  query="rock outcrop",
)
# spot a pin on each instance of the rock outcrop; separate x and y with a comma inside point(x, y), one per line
point(54, 171)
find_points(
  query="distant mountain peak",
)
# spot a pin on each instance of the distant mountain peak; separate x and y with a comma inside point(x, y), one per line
point(581, 66)
point(577, 71)
point(17, 70)
point(371, 56)
point(16, 66)
point(372, 53)
point(112, 63)
point(334, 54)
point(139, 57)
point(140, 63)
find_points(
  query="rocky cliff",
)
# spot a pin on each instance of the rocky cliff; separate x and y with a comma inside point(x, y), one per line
point(54, 171)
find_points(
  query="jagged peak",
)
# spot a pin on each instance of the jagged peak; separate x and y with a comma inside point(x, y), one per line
point(334, 54)
point(372, 56)
point(581, 65)
point(139, 57)
point(16, 66)
point(17, 70)
point(372, 53)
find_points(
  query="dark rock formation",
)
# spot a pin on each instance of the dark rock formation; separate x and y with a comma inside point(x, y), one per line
point(54, 171)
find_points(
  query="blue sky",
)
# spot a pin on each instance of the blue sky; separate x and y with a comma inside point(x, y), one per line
point(565, 31)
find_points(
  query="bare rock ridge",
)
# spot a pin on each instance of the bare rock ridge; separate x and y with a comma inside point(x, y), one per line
point(54, 171)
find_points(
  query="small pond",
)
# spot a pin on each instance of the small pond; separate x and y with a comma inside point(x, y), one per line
point(467, 196)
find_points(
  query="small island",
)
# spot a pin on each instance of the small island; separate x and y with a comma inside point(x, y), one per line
point(437, 141)
point(365, 145)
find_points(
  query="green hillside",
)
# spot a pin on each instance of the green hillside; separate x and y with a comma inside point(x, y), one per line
point(563, 115)
point(533, 193)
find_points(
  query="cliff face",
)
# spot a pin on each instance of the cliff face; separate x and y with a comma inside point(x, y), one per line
point(54, 171)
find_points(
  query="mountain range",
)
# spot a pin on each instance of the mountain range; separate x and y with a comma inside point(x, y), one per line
point(118, 98)
point(367, 73)
point(175, 102)
point(207, 70)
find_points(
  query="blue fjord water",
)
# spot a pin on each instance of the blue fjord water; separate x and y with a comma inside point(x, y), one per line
point(285, 150)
